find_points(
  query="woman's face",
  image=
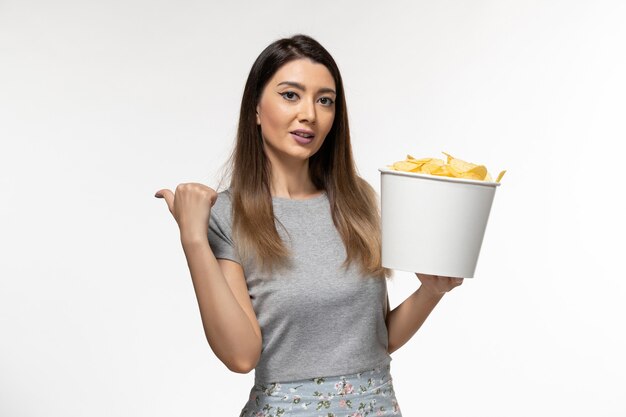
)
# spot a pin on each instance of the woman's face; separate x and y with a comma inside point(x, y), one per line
point(298, 101)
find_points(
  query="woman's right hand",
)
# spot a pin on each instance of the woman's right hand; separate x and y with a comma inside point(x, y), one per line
point(191, 207)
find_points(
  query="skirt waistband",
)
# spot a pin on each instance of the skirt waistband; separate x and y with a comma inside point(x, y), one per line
point(361, 382)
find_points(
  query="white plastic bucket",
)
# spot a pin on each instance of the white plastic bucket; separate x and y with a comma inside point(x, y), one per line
point(431, 224)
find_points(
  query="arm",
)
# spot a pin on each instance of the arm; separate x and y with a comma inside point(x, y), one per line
point(227, 316)
point(404, 320)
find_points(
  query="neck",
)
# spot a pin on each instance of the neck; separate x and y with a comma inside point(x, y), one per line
point(291, 179)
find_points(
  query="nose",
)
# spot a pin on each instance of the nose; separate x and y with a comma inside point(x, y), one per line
point(307, 112)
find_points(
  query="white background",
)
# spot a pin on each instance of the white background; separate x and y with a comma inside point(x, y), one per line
point(103, 103)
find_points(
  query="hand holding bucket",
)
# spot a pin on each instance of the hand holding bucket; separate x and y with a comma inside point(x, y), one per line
point(432, 224)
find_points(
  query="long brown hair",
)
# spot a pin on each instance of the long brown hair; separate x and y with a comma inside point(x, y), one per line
point(353, 202)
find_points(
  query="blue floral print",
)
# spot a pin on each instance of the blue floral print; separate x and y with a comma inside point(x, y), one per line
point(364, 394)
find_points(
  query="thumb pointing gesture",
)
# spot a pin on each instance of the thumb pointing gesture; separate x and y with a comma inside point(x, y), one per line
point(190, 206)
point(168, 196)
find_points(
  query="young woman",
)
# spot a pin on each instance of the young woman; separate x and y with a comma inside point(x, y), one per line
point(286, 262)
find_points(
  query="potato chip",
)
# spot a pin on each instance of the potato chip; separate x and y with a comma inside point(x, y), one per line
point(418, 161)
point(442, 170)
point(454, 172)
point(405, 166)
point(431, 166)
point(453, 167)
point(458, 164)
point(477, 173)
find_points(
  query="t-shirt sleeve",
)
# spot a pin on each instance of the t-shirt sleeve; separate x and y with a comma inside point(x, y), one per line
point(220, 237)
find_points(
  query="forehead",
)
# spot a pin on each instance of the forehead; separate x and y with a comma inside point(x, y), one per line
point(304, 71)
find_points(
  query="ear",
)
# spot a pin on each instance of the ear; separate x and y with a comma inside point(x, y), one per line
point(258, 119)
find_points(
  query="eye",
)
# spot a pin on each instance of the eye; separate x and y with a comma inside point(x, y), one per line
point(328, 101)
point(288, 95)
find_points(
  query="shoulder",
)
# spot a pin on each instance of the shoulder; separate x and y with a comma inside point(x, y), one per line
point(223, 206)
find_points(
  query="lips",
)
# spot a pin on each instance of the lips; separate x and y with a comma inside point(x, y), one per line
point(303, 133)
point(301, 140)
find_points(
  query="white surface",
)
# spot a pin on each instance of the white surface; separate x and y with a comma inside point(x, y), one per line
point(103, 103)
point(433, 225)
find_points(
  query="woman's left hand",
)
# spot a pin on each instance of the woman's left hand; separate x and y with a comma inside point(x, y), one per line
point(437, 285)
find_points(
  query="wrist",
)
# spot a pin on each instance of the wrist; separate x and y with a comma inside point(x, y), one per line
point(188, 237)
point(430, 294)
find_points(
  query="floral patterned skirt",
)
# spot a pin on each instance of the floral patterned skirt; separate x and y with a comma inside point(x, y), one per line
point(368, 393)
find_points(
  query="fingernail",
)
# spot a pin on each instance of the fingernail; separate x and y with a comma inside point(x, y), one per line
point(157, 195)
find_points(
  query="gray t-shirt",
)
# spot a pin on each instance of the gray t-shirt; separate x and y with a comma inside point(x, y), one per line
point(316, 320)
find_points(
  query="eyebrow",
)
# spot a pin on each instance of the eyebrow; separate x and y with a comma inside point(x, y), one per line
point(301, 87)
